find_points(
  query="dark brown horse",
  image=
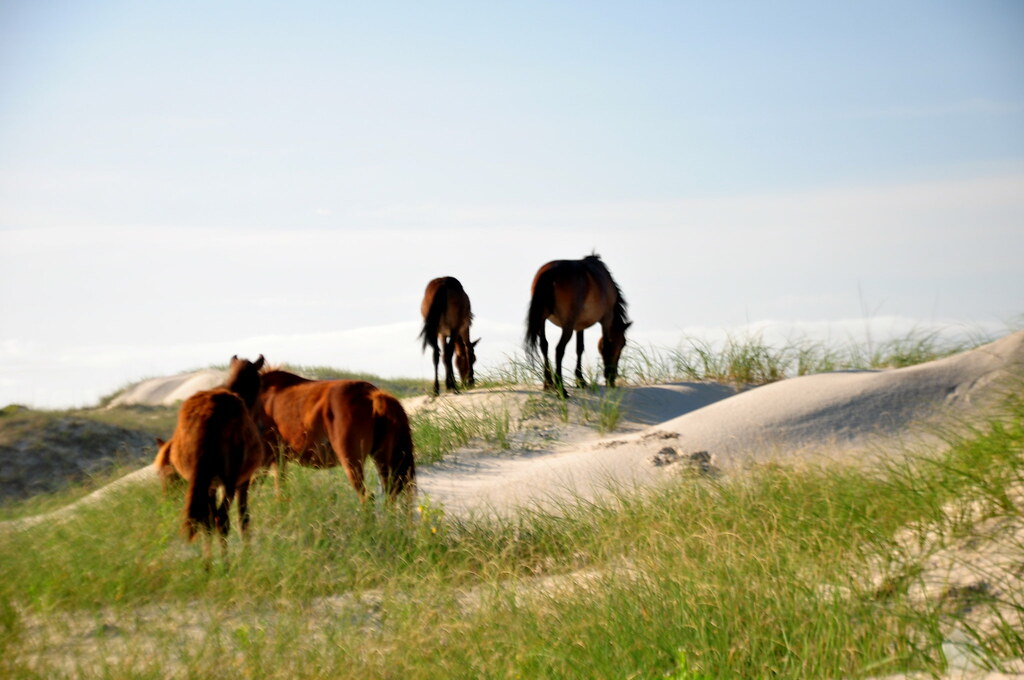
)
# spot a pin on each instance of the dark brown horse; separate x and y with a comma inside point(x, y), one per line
point(216, 447)
point(324, 423)
point(446, 319)
point(574, 295)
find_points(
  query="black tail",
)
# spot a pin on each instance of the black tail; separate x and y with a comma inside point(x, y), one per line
point(198, 513)
point(430, 324)
point(541, 304)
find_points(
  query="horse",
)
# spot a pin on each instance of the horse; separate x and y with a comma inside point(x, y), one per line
point(300, 417)
point(446, 319)
point(216, 446)
point(574, 295)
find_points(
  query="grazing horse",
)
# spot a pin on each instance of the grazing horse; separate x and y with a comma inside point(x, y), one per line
point(216, 446)
point(301, 417)
point(446, 319)
point(574, 295)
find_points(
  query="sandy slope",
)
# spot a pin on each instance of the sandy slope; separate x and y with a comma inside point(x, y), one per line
point(169, 391)
point(844, 416)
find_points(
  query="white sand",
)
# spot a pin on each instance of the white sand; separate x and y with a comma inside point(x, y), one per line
point(843, 416)
point(171, 390)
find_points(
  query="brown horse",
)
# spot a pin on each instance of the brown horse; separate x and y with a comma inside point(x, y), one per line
point(301, 417)
point(216, 446)
point(574, 295)
point(446, 319)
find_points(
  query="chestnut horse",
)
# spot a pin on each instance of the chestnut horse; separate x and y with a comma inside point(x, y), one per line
point(301, 417)
point(216, 446)
point(574, 295)
point(446, 319)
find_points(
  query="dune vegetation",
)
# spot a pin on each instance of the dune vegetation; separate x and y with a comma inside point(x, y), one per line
point(787, 571)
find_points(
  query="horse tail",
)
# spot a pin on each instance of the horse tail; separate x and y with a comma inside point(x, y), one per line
point(541, 303)
point(197, 504)
point(432, 320)
point(392, 444)
point(214, 461)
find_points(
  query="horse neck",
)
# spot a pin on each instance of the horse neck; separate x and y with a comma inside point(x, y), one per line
point(272, 379)
point(245, 385)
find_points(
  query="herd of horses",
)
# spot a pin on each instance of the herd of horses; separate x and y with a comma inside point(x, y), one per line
point(264, 417)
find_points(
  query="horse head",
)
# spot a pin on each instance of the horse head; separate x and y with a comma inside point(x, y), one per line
point(244, 379)
point(465, 357)
point(610, 346)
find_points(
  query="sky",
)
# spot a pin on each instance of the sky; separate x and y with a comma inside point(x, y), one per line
point(184, 181)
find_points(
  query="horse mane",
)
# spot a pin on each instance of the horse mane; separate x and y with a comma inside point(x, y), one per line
point(621, 315)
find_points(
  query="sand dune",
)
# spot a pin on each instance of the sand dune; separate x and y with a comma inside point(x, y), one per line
point(170, 390)
point(844, 416)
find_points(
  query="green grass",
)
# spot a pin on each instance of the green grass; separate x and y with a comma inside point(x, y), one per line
point(761, 575)
point(746, 360)
point(440, 430)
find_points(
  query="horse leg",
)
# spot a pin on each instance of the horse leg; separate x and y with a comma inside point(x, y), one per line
point(346, 443)
point(449, 372)
point(243, 509)
point(355, 476)
point(208, 526)
point(437, 359)
point(580, 382)
point(559, 355)
point(549, 382)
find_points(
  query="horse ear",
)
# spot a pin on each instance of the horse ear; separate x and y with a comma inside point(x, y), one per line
point(234, 358)
point(259, 363)
point(474, 342)
point(627, 325)
point(160, 442)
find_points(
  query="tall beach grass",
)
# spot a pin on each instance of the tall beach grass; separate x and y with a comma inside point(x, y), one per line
point(789, 572)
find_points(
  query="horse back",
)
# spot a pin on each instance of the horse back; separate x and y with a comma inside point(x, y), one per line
point(306, 414)
point(578, 293)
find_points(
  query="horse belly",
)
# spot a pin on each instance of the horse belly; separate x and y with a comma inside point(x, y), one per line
point(309, 449)
point(318, 455)
point(594, 309)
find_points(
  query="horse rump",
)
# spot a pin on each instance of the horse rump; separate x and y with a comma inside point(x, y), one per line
point(217, 447)
point(542, 302)
point(434, 311)
point(392, 445)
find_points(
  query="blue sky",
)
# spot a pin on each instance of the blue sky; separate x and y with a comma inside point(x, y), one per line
point(180, 180)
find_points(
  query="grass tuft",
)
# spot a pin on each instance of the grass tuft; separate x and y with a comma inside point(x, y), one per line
point(747, 360)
